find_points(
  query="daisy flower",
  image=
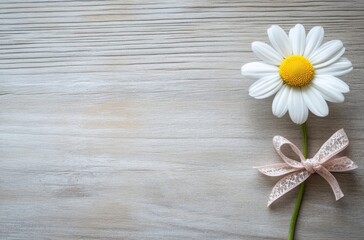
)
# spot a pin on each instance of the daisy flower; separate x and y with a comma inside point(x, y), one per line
point(300, 70)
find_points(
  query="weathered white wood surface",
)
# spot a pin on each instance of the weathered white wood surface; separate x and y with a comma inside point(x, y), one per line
point(130, 120)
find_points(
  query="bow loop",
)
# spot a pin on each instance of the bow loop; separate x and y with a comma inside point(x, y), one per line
point(334, 145)
point(279, 142)
point(297, 172)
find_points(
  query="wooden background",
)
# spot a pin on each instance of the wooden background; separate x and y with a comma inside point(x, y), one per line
point(130, 120)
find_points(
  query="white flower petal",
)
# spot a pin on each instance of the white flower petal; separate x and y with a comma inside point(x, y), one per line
point(266, 53)
point(333, 82)
point(339, 68)
point(297, 108)
point(297, 35)
point(280, 102)
point(315, 101)
point(313, 40)
point(280, 40)
point(332, 60)
point(327, 89)
point(327, 54)
point(266, 86)
point(258, 69)
point(335, 97)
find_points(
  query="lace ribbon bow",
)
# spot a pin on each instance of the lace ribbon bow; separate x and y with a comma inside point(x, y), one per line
point(322, 163)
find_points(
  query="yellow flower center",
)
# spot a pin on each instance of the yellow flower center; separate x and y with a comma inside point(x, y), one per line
point(296, 71)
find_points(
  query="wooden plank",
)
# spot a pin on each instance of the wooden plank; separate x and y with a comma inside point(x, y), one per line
point(130, 120)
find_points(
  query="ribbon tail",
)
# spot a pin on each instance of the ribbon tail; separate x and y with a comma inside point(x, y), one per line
point(332, 181)
point(277, 169)
point(341, 164)
point(287, 183)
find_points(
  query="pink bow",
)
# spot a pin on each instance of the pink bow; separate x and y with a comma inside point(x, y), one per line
point(322, 163)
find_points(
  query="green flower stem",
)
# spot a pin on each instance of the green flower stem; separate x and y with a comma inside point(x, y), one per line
point(297, 206)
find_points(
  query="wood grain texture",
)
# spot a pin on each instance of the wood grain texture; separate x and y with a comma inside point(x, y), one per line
point(130, 120)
